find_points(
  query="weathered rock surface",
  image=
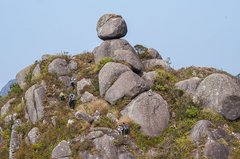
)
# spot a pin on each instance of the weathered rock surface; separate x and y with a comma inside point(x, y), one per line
point(101, 129)
point(1, 137)
point(81, 84)
point(84, 116)
point(200, 129)
point(87, 97)
point(87, 155)
point(62, 150)
point(30, 104)
point(8, 119)
point(156, 62)
point(189, 85)
point(73, 65)
point(34, 135)
point(220, 93)
point(14, 142)
point(65, 80)
point(6, 106)
point(97, 116)
point(45, 56)
point(154, 53)
point(149, 110)
point(108, 73)
point(95, 50)
point(112, 117)
point(20, 77)
point(111, 26)
point(54, 120)
point(105, 144)
point(37, 70)
point(94, 134)
point(149, 78)
point(108, 48)
point(127, 155)
point(59, 66)
point(128, 84)
point(39, 94)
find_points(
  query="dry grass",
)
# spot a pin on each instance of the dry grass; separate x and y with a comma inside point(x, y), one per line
point(99, 104)
point(125, 120)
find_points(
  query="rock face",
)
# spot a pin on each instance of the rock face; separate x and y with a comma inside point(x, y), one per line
point(45, 56)
point(189, 85)
point(33, 135)
point(108, 73)
point(37, 70)
point(213, 148)
point(149, 110)
point(155, 62)
point(111, 26)
point(84, 116)
point(127, 155)
point(104, 143)
point(14, 142)
point(6, 107)
point(65, 80)
point(20, 77)
point(149, 78)
point(95, 50)
point(112, 117)
point(62, 150)
point(73, 65)
point(87, 97)
point(59, 66)
point(39, 94)
point(128, 84)
point(154, 53)
point(124, 52)
point(30, 104)
point(94, 134)
point(81, 84)
point(220, 93)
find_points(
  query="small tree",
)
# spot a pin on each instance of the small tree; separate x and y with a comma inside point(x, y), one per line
point(140, 49)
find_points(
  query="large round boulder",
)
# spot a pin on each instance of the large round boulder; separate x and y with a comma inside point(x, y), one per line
point(189, 85)
point(59, 66)
point(156, 62)
point(149, 110)
point(62, 150)
point(149, 77)
point(221, 93)
point(20, 77)
point(154, 53)
point(120, 49)
point(6, 106)
point(128, 84)
point(111, 26)
point(108, 73)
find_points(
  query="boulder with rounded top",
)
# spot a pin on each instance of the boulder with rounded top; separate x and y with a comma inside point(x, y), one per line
point(62, 150)
point(45, 56)
point(156, 62)
point(154, 53)
point(20, 77)
point(81, 84)
point(6, 106)
point(59, 66)
point(189, 85)
point(149, 77)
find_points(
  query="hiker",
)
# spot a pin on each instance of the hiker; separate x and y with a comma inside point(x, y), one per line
point(71, 100)
point(126, 129)
point(72, 81)
point(62, 97)
point(120, 129)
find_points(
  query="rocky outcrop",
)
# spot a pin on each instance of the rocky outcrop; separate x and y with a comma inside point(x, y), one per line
point(128, 84)
point(189, 85)
point(108, 73)
point(45, 56)
point(34, 135)
point(62, 150)
point(37, 70)
point(111, 26)
point(14, 142)
point(95, 50)
point(112, 117)
point(81, 84)
point(149, 78)
point(84, 116)
point(30, 104)
point(8, 119)
point(156, 62)
point(220, 93)
point(94, 134)
point(20, 77)
point(154, 53)
point(87, 97)
point(6, 107)
point(59, 66)
point(121, 50)
point(87, 155)
point(213, 147)
point(39, 94)
point(127, 155)
point(149, 110)
point(73, 65)
point(65, 80)
point(97, 116)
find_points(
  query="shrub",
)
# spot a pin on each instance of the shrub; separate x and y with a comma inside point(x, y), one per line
point(191, 113)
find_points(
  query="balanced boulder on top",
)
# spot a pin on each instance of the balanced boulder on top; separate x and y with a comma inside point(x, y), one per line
point(111, 26)
point(154, 53)
point(220, 93)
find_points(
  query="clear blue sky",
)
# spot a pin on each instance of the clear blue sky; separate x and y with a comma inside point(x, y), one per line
point(200, 32)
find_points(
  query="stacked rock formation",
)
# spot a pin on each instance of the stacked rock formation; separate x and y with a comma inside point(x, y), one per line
point(117, 81)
